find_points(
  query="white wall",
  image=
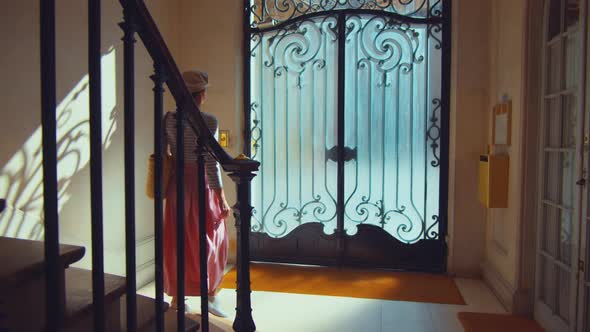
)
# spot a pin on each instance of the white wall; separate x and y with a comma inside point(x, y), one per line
point(469, 95)
point(515, 71)
point(20, 160)
point(506, 80)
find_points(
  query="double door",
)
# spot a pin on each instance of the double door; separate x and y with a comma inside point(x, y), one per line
point(562, 279)
point(348, 121)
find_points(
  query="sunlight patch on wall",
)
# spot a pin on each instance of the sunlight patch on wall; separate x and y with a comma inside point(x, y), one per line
point(21, 179)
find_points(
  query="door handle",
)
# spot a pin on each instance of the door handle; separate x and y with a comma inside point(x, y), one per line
point(332, 154)
point(581, 182)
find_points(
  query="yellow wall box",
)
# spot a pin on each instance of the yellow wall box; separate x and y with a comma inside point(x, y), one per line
point(493, 180)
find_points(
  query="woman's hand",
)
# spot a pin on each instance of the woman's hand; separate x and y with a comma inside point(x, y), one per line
point(223, 206)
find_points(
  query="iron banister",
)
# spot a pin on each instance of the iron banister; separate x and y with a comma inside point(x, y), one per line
point(158, 50)
point(242, 163)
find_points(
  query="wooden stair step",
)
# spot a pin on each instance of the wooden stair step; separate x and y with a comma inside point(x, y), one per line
point(22, 260)
point(146, 308)
point(22, 281)
point(170, 323)
point(79, 306)
point(146, 316)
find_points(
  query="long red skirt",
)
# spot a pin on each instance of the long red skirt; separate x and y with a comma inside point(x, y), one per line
point(217, 238)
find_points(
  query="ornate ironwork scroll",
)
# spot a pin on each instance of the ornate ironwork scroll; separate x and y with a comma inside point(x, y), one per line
point(393, 126)
point(265, 12)
point(293, 110)
point(392, 114)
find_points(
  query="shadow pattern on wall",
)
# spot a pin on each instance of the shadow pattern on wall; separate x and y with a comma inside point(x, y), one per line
point(21, 179)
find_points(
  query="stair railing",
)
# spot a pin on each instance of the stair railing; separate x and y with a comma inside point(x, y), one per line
point(138, 20)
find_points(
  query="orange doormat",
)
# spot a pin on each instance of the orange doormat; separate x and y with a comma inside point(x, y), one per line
point(481, 322)
point(370, 284)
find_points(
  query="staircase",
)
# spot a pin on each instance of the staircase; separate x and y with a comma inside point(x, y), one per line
point(39, 291)
point(22, 293)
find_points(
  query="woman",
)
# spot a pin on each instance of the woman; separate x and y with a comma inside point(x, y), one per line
point(217, 207)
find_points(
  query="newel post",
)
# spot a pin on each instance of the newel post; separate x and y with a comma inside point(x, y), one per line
point(242, 174)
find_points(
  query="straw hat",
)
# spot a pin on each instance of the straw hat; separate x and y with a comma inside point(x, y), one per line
point(196, 80)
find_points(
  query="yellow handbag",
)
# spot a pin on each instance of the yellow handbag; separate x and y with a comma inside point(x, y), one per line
point(166, 173)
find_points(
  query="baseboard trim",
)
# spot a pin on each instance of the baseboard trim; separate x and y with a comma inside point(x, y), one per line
point(523, 303)
point(518, 301)
point(145, 252)
point(145, 274)
point(499, 285)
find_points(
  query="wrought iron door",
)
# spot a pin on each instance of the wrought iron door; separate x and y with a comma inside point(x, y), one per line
point(348, 104)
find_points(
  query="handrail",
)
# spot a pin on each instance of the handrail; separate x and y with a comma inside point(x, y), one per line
point(241, 170)
point(158, 50)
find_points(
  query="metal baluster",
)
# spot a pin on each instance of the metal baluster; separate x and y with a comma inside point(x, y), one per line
point(129, 132)
point(95, 116)
point(55, 301)
point(340, 232)
point(159, 78)
point(445, 119)
point(203, 234)
point(247, 69)
point(180, 215)
point(243, 176)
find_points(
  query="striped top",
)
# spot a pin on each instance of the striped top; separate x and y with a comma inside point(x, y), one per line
point(190, 145)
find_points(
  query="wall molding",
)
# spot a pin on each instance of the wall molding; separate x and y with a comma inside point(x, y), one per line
point(515, 300)
point(146, 262)
point(145, 274)
point(503, 290)
point(497, 218)
point(499, 248)
point(145, 240)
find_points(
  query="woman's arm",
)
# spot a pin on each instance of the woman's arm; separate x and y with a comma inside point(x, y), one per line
point(212, 167)
point(165, 146)
point(223, 206)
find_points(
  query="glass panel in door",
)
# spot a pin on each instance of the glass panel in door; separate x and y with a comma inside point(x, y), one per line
point(392, 117)
point(293, 121)
point(559, 212)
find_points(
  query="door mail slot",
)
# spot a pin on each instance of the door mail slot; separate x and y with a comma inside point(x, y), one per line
point(493, 180)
